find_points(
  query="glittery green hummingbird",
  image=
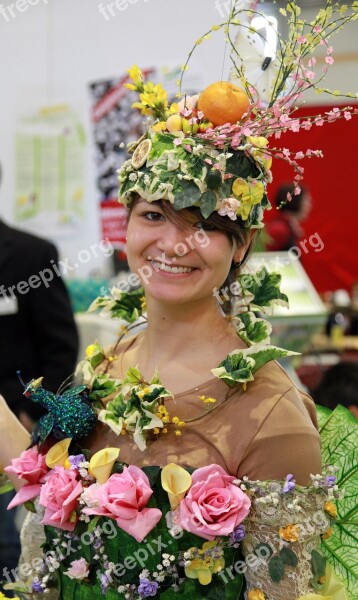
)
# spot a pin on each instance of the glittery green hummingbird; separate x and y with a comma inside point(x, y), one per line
point(69, 415)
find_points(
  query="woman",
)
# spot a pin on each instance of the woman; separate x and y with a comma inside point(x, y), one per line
point(264, 432)
point(194, 403)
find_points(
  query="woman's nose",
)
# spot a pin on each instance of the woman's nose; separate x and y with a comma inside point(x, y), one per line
point(173, 242)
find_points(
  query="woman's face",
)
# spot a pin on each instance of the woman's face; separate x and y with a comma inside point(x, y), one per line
point(177, 264)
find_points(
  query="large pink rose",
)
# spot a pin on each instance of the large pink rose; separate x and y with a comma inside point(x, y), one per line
point(124, 497)
point(31, 467)
point(214, 506)
point(59, 495)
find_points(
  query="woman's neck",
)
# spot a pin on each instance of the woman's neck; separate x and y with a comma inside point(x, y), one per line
point(197, 335)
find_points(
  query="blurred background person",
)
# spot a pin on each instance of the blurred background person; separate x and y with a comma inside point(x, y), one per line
point(38, 338)
point(339, 385)
point(284, 230)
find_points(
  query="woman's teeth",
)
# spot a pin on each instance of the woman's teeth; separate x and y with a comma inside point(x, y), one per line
point(169, 269)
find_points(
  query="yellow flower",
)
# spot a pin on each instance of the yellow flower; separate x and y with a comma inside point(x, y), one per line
point(259, 142)
point(256, 594)
point(176, 481)
point(91, 350)
point(327, 534)
point(135, 74)
point(249, 193)
point(290, 533)
point(206, 400)
point(58, 454)
point(204, 566)
point(175, 420)
point(178, 432)
point(330, 509)
point(102, 462)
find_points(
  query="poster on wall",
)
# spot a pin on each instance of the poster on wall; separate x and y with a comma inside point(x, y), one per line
point(115, 124)
point(49, 172)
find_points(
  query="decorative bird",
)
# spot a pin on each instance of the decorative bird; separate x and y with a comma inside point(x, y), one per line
point(69, 414)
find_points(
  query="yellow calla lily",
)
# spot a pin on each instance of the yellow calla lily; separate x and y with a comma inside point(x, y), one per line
point(101, 464)
point(176, 481)
point(333, 589)
point(57, 456)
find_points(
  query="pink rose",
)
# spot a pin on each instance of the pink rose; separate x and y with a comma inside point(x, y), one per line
point(59, 495)
point(214, 506)
point(124, 497)
point(30, 466)
point(79, 569)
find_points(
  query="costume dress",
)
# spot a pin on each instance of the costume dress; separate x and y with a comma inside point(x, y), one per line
point(265, 432)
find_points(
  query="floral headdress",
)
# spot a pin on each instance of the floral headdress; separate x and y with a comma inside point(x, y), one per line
point(212, 150)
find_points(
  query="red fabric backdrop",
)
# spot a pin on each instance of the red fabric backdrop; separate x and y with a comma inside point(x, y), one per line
point(332, 183)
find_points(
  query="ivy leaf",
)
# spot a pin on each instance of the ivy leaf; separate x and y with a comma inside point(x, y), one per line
point(160, 143)
point(253, 330)
point(339, 435)
point(263, 353)
point(264, 287)
point(276, 569)
point(187, 195)
point(127, 306)
point(235, 369)
point(208, 203)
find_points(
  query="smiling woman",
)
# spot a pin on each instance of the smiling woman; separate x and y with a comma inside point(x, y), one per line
point(200, 446)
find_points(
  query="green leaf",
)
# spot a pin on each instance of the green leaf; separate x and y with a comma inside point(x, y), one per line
point(339, 435)
point(235, 368)
point(264, 286)
point(160, 144)
point(5, 484)
point(241, 165)
point(276, 569)
point(207, 203)
point(188, 195)
point(253, 330)
point(263, 353)
point(30, 506)
point(289, 557)
point(318, 564)
point(263, 545)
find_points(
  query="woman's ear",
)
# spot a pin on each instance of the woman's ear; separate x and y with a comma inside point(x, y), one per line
point(241, 250)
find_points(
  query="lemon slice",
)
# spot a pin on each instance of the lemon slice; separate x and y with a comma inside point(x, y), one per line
point(140, 154)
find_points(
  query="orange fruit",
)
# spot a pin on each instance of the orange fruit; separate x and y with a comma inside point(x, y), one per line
point(223, 102)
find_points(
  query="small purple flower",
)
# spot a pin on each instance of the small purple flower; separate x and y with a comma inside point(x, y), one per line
point(147, 588)
point(289, 484)
point(104, 583)
point(330, 481)
point(75, 460)
point(238, 534)
point(37, 587)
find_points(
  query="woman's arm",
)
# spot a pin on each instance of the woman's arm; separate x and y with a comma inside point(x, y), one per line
point(14, 439)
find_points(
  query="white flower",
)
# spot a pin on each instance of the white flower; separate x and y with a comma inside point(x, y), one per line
point(79, 569)
point(229, 208)
point(133, 177)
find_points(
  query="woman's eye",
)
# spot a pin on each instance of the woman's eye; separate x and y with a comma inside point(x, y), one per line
point(204, 226)
point(153, 216)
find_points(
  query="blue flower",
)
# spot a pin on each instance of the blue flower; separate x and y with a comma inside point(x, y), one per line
point(147, 588)
point(76, 460)
point(330, 481)
point(37, 587)
point(289, 484)
point(238, 534)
